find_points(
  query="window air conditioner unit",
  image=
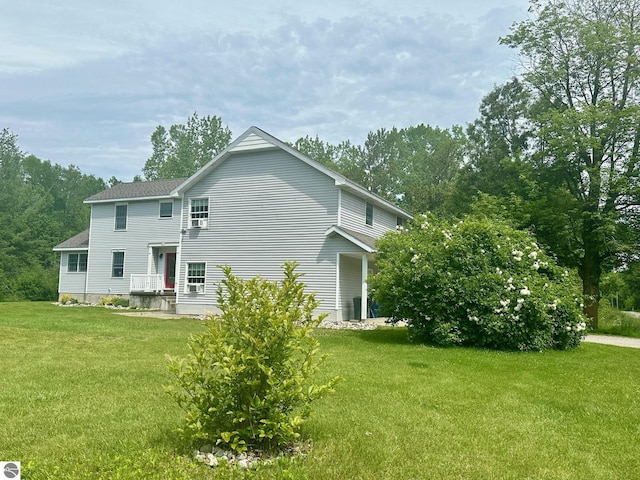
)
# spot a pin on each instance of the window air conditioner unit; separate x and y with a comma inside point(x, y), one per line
point(196, 288)
point(198, 223)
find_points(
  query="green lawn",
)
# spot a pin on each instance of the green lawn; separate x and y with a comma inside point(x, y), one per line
point(82, 397)
point(617, 322)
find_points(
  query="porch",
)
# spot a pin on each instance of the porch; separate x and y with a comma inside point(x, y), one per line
point(150, 291)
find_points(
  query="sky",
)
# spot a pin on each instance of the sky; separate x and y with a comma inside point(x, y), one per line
point(86, 83)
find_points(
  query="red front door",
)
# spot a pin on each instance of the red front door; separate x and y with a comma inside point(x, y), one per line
point(170, 271)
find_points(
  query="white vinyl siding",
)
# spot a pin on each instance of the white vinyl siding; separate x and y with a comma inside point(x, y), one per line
point(269, 208)
point(70, 281)
point(144, 227)
point(354, 213)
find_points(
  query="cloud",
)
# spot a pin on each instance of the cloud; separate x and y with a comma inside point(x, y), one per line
point(337, 78)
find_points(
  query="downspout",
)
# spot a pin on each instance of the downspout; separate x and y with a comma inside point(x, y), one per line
point(176, 285)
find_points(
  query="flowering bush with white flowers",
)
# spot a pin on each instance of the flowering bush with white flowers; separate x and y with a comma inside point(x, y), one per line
point(477, 282)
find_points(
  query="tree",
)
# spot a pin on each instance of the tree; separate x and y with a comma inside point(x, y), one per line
point(185, 148)
point(413, 167)
point(581, 67)
point(42, 206)
point(497, 145)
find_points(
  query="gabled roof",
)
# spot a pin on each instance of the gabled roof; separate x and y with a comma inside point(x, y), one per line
point(77, 242)
point(136, 191)
point(256, 139)
point(367, 243)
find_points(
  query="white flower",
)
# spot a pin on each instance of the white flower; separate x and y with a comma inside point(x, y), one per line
point(415, 258)
point(533, 255)
point(520, 301)
point(424, 225)
point(498, 271)
point(510, 280)
point(569, 328)
point(535, 265)
point(525, 291)
point(506, 302)
point(482, 250)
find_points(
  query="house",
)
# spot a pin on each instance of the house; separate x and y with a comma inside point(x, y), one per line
point(254, 206)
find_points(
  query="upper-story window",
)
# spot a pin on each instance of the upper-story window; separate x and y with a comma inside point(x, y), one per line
point(369, 214)
point(77, 262)
point(166, 209)
point(199, 212)
point(121, 217)
point(401, 222)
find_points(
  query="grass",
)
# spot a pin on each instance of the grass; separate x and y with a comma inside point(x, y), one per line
point(617, 322)
point(82, 397)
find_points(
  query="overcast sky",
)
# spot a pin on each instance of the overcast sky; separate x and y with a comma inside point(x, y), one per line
point(86, 83)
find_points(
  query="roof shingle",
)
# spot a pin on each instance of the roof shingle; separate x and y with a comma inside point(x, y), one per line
point(123, 191)
point(79, 241)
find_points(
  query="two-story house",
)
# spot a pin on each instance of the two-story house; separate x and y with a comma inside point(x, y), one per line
point(254, 206)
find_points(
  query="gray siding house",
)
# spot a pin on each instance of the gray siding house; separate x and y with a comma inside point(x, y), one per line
point(254, 206)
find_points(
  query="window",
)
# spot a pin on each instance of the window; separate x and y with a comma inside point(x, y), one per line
point(166, 209)
point(121, 217)
point(199, 212)
point(401, 222)
point(195, 277)
point(77, 262)
point(117, 265)
point(369, 214)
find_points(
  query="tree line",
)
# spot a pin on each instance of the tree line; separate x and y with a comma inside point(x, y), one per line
point(41, 207)
point(554, 150)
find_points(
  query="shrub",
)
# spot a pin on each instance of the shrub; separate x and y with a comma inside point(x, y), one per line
point(67, 300)
point(245, 384)
point(113, 300)
point(477, 282)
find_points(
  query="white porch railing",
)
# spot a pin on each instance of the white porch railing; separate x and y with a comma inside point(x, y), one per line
point(146, 283)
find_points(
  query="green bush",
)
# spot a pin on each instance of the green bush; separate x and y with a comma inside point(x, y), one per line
point(113, 300)
point(67, 300)
point(245, 384)
point(477, 282)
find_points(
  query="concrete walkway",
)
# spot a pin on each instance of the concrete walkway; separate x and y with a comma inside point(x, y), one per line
point(613, 340)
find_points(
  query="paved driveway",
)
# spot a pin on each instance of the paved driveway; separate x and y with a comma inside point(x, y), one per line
point(613, 340)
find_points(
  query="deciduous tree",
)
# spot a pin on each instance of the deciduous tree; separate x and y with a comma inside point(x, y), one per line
point(184, 148)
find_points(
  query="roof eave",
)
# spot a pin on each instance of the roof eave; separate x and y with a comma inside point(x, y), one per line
point(132, 199)
point(69, 249)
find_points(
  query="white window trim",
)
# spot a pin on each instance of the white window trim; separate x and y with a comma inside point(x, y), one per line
point(115, 218)
point(160, 209)
point(77, 270)
point(366, 207)
point(198, 222)
point(201, 287)
point(124, 258)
